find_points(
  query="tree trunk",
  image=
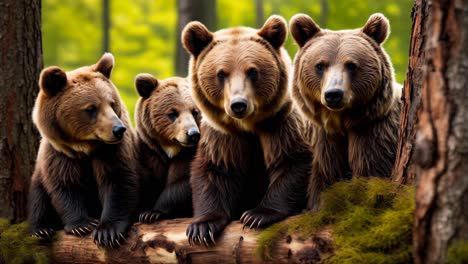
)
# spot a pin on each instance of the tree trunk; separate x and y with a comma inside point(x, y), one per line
point(259, 11)
point(106, 25)
point(20, 65)
point(441, 216)
point(166, 242)
point(189, 10)
point(404, 171)
point(324, 13)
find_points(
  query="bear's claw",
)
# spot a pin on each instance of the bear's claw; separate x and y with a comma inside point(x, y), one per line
point(110, 235)
point(260, 217)
point(81, 229)
point(149, 217)
point(200, 234)
point(203, 232)
point(44, 233)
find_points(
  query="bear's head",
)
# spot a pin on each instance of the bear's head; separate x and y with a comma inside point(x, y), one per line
point(166, 114)
point(343, 75)
point(76, 110)
point(238, 75)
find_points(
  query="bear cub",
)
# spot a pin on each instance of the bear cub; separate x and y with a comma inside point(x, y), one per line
point(167, 125)
point(252, 162)
point(85, 175)
point(344, 84)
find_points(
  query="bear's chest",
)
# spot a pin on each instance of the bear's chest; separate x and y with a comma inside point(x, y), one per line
point(335, 122)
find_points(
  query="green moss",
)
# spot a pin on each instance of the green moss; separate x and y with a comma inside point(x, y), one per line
point(457, 253)
point(371, 219)
point(267, 239)
point(17, 246)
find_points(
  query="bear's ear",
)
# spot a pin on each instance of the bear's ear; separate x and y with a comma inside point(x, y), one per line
point(195, 37)
point(274, 31)
point(52, 80)
point(377, 27)
point(105, 65)
point(303, 28)
point(145, 83)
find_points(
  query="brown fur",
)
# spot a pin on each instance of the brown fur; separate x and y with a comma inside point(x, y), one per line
point(256, 160)
point(358, 136)
point(165, 115)
point(83, 169)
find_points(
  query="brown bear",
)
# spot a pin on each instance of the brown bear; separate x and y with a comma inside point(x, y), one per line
point(167, 125)
point(344, 84)
point(86, 163)
point(252, 161)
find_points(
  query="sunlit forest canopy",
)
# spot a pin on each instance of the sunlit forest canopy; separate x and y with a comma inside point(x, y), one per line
point(143, 34)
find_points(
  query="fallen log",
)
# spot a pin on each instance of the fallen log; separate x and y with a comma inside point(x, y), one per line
point(166, 242)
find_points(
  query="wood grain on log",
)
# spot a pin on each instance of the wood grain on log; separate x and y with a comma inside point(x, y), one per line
point(166, 242)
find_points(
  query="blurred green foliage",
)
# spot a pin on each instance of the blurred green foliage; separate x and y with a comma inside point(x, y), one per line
point(17, 246)
point(143, 33)
point(457, 252)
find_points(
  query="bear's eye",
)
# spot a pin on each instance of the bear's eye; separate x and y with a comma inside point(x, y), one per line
point(351, 66)
point(91, 110)
point(320, 67)
point(221, 76)
point(194, 113)
point(173, 115)
point(252, 73)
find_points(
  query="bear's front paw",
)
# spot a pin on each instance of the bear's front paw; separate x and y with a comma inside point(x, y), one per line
point(152, 216)
point(43, 233)
point(261, 217)
point(111, 234)
point(81, 228)
point(203, 232)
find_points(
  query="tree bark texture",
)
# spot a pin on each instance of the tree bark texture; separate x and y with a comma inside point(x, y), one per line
point(404, 171)
point(166, 242)
point(441, 216)
point(189, 10)
point(20, 65)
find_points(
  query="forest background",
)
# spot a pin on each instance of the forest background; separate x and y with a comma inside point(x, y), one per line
point(144, 36)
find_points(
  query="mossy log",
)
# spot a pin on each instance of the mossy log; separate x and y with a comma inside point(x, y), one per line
point(166, 242)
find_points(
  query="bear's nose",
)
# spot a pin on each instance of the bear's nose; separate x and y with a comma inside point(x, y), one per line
point(239, 106)
point(333, 97)
point(193, 135)
point(119, 131)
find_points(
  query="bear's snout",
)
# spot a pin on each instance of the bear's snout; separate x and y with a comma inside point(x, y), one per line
point(337, 92)
point(239, 106)
point(186, 131)
point(333, 97)
point(193, 135)
point(119, 130)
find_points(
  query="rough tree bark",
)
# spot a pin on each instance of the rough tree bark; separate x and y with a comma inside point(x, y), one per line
point(189, 10)
point(404, 171)
point(20, 65)
point(166, 242)
point(441, 153)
